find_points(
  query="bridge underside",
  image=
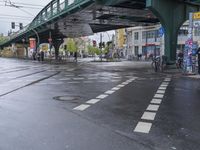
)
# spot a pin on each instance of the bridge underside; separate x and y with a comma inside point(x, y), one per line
point(97, 18)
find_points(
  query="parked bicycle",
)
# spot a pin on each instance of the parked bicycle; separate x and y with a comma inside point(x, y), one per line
point(179, 63)
point(179, 60)
point(158, 63)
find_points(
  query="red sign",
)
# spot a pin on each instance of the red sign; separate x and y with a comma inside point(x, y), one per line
point(32, 43)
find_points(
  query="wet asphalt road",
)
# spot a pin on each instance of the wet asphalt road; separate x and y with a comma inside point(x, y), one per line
point(96, 106)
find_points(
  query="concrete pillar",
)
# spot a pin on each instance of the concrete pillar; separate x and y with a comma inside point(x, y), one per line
point(56, 44)
point(172, 14)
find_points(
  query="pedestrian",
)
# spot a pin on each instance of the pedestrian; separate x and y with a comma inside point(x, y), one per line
point(198, 54)
point(38, 56)
point(34, 55)
point(75, 56)
point(42, 55)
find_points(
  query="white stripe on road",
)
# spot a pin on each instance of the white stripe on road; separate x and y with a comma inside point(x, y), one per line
point(88, 82)
point(143, 127)
point(153, 107)
point(102, 96)
point(78, 78)
point(73, 82)
point(92, 78)
point(156, 101)
point(148, 116)
point(163, 85)
point(116, 77)
point(82, 107)
point(109, 92)
point(158, 96)
point(162, 88)
point(125, 83)
point(160, 92)
point(120, 86)
point(115, 88)
point(167, 79)
point(93, 101)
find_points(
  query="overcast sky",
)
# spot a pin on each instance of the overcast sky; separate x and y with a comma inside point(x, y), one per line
point(11, 14)
point(26, 15)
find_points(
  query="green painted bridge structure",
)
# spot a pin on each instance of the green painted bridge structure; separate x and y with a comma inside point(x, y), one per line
point(75, 18)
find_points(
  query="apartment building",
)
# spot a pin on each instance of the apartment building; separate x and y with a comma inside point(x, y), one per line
point(146, 40)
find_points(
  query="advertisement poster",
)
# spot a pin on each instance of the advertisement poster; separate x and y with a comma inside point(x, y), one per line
point(32, 44)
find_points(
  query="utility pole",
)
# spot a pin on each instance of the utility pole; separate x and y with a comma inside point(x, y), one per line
point(101, 45)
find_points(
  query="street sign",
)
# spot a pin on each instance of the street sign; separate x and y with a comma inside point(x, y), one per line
point(196, 16)
point(45, 47)
point(161, 31)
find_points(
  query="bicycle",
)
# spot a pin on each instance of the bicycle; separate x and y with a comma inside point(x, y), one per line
point(179, 63)
point(156, 63)
point(159, 63)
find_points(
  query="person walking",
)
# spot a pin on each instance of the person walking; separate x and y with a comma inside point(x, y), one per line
point(75, 56)
point(198, 54)
point(42, 55)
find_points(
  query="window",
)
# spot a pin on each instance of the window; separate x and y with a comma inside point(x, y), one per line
point(136, 36)
point(144, 34)
point(136, 50)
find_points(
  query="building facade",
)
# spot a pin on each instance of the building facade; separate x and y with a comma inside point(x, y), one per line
point(148, 40)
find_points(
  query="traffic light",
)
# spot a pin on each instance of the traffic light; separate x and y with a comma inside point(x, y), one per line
point(103, 44)
point(100, 45)
point(94, 43)
point(20, 26)
point(13, 25)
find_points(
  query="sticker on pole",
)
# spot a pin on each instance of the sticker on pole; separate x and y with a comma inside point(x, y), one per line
point(196, 16)
point(161, 31)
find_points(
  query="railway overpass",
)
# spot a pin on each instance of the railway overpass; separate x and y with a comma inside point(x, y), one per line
point(75, 18)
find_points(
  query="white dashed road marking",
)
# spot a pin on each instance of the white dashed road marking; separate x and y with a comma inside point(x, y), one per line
point(162, 88)
point(149, 116)
point(82, 107)
point(121, 86)
point(159, 96)
point(153, 107)
point(143, 127)
point(109, 92)
point(78, 78)
point(93, 101)
point(163, 85)
point(160, 92)
point(156, 101)
point(115, 88)
point(102, 96)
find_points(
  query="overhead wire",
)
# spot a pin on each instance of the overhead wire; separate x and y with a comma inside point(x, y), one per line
point(27, 4)
point(6, 15)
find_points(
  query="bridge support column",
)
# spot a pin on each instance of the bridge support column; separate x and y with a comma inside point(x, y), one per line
point(56, 44)
point(172, 14)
